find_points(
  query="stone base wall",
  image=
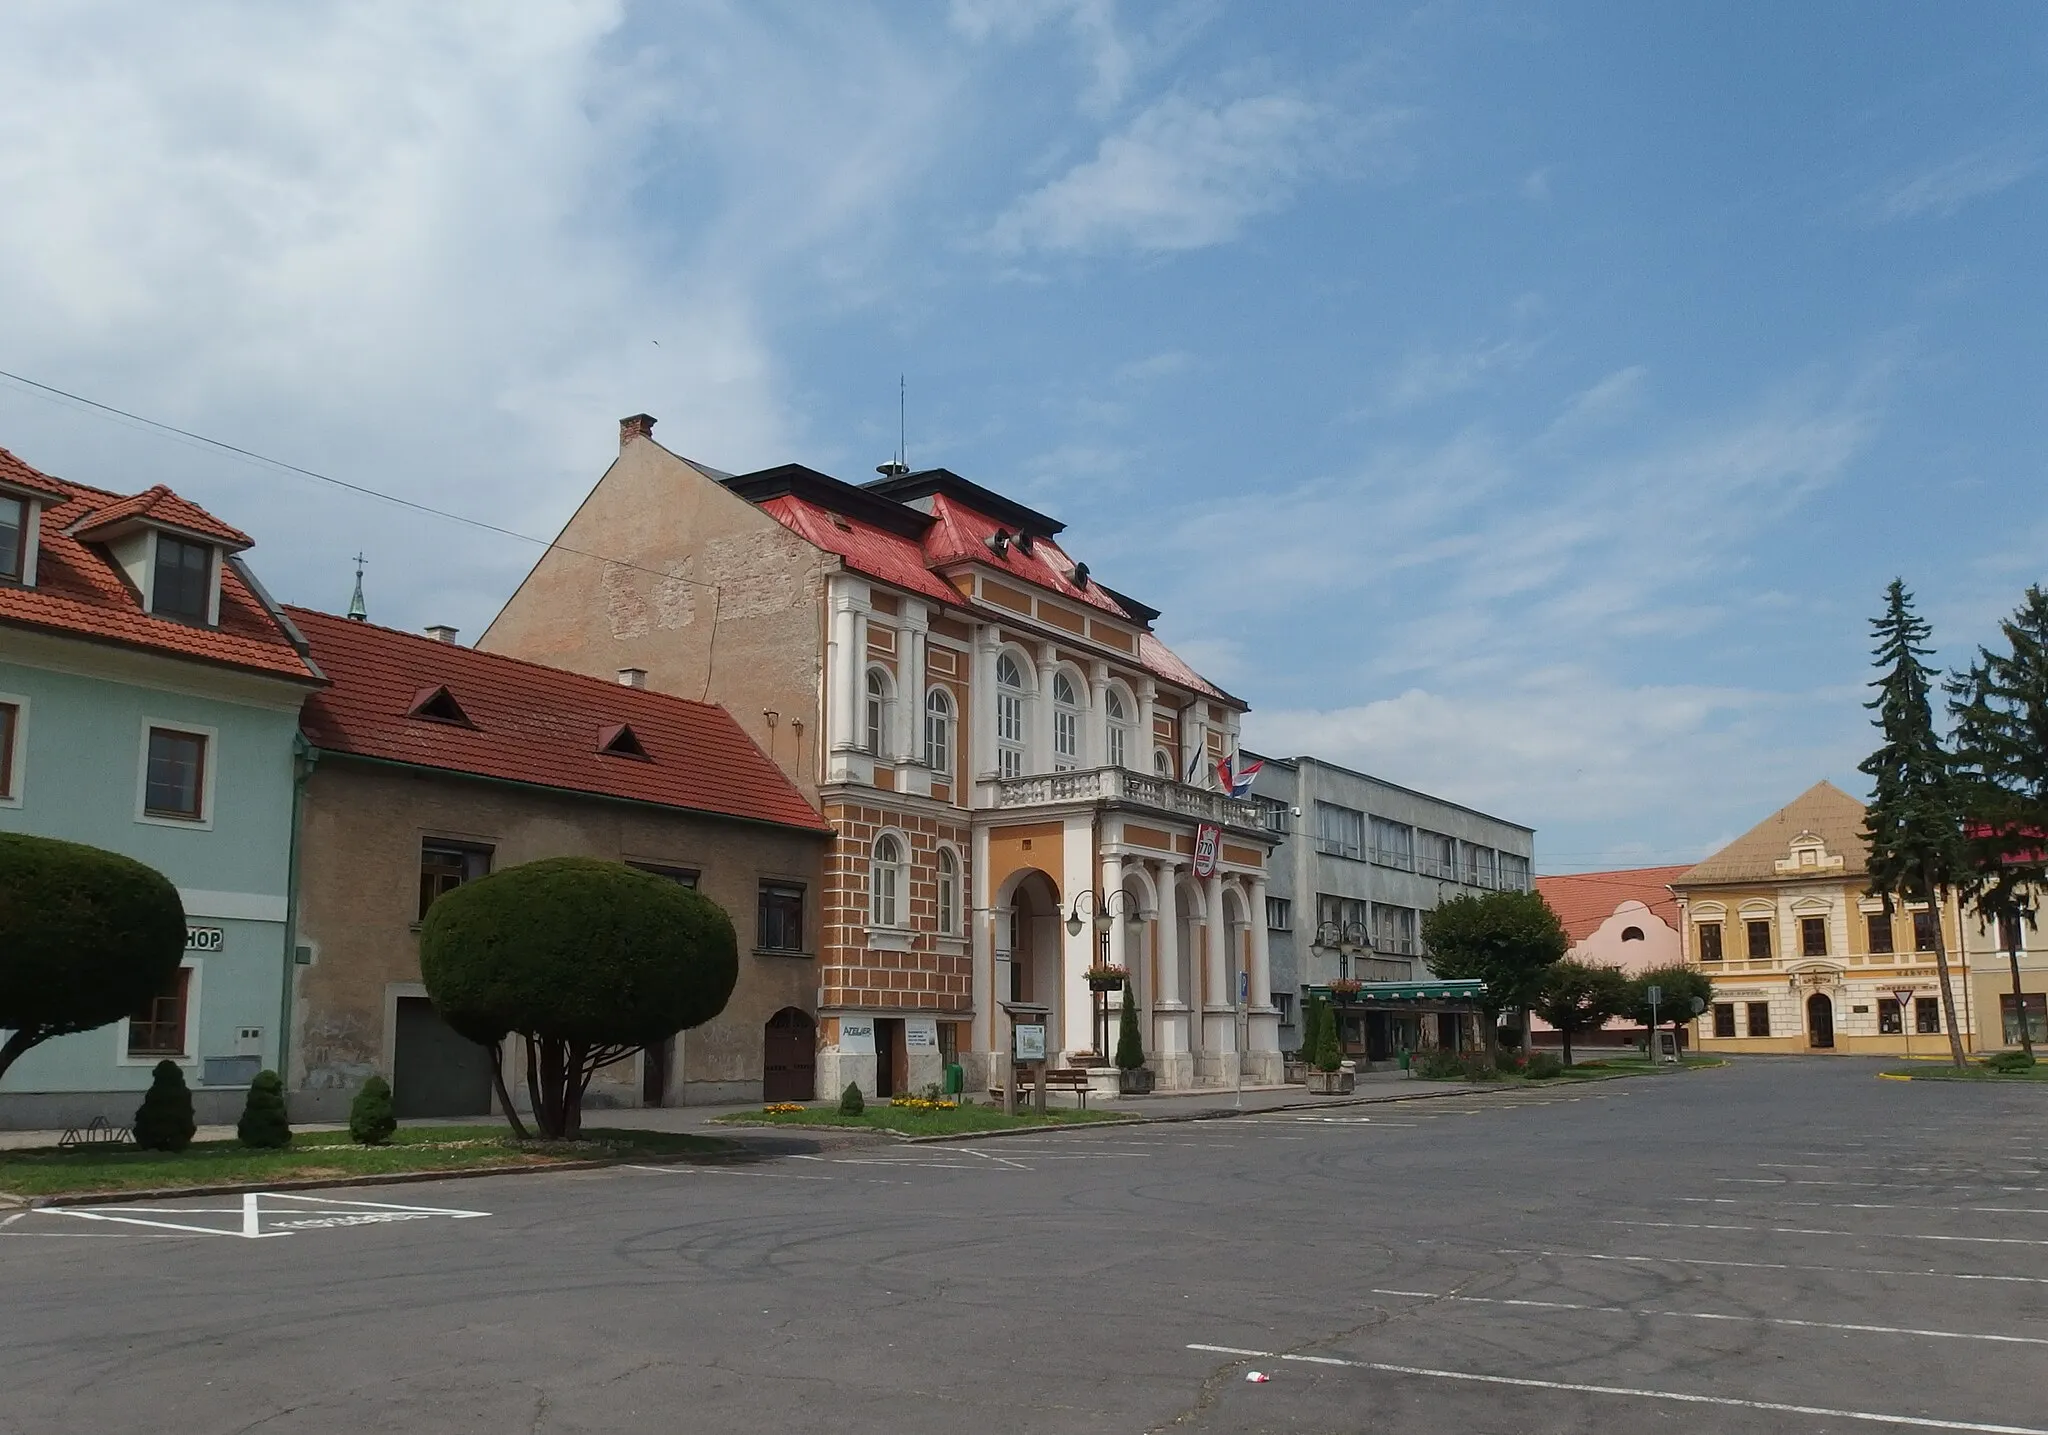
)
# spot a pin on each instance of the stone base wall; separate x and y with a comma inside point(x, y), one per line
point(60, 1110)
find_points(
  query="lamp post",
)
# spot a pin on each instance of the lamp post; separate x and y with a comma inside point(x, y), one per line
point(1103, 910)
point(2019, 909)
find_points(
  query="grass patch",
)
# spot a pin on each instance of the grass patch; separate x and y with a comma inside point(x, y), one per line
point(321, 1155)
point(1930, 1072)
point(911, 1121)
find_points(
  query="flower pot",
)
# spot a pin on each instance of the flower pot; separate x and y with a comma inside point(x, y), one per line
point(1135, 1082)
point(1105, 984)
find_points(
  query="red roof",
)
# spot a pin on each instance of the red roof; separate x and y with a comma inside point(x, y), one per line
point(79, 591)
point(957, 538)
point(535, 724)
point(1584, 900)
point(159, 505)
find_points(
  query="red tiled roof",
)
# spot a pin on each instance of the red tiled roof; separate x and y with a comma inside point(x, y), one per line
point(159, 505)
point(1583, 900)
point(535, 724)
point(79, 591)
point(957, 538)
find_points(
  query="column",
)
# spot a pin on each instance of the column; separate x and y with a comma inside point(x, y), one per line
point(1077, 950)
point(1171, 1059)
point(991, 1031)
point(1095, 740)
point(1262, 1025)
point(1148, 697)
point(911, 636)
point(1219, 995)
point(1040, 756)
point(981, 707)
point(1113, 946)
point(842, 676)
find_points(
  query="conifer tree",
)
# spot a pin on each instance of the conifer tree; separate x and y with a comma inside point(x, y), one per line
point(370, 1117)
point(1914, 823)
point(1130, 1043)
point(263, 1124)
point(164, 1120)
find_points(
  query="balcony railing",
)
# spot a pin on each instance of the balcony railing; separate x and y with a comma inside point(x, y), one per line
point(1136, 789)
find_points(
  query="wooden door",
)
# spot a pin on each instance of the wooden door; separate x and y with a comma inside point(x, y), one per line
point(789, 1057)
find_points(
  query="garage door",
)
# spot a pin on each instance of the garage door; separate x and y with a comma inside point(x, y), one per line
point(436, 1072)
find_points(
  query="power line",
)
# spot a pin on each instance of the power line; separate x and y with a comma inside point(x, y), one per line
point(342, 483)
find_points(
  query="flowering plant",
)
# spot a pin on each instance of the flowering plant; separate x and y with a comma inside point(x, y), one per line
point(1107, 972)
point(922, 1103)
point(1347, 986)
point(783, 1108)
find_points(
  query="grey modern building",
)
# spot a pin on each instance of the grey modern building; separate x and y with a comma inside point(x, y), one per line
point(1363, 860)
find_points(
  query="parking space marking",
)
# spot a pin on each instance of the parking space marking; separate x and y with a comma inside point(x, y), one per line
point(1776, 1266)
point(1919, 1422)
point(1868, 1206)
point(1858, 1235)
point(249, 1219)
point(1719, 1316)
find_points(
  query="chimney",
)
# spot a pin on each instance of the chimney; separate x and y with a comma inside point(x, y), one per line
point(635, 426)
point(442, 633)
point(632, 677)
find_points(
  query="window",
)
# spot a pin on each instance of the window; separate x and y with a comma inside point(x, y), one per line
point(949, 893)
point(1879, 925)
point(10, 724)
point(1514, 872)
point(175, 783)
point(1923, 931)
point(1479, 867)
point(1724, 1018)
point(1759, 932)
point(1272, 815)
point(1632, 934)
point(2035, 1005)
point(2009, 935)
point(681, 876)
point(874, 728)
point(1888, 1020)
point(1066, 724)
point(157, 1027)
point(779, 916)
point(938, 732)
point(1710, 944)
point(1393, 844)
point(444, 866)
point(1340, 831)
point(1118, 714)
point(1436, 855)
point(1813, 936)
point(1162, 763)
point(1279, 914)
point(1393, 929)
point(182, 573)
point(13, 537)
point(1927, 1015)
point(1759, 1018)
point(1009, 717)
point(885, 883)
point(1344, 917)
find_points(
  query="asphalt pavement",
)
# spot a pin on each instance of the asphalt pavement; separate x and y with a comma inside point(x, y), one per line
point(1776, 1246)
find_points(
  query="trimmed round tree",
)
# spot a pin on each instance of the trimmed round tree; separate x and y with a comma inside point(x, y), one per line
point(587, 962)
point(86, 937)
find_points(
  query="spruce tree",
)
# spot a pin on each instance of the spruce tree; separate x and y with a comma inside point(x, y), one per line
point(1130, 1043)
point(2000, 706)
point(370, 1117)
point(1329, 1050)
point(164, 1120)
point(851, 1102)
point(1914, 823)
point(263, 1124)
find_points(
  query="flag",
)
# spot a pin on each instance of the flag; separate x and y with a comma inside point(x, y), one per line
point(1237, 774)
point(1195, 777)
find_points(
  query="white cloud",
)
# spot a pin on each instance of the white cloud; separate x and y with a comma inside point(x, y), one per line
point(1427, 375)
point(1947, 187)
point(1599, 404)
point(1181, 175)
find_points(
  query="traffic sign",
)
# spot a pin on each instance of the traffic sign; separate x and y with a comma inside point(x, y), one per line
point(1902, 995)
point(1655, 994)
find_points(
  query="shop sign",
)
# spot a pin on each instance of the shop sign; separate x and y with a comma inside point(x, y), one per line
point(1208, 842)
point(856, 1036)
point(921, 1032)
point(204, 939)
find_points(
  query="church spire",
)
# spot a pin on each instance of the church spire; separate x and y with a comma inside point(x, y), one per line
point(356, 610)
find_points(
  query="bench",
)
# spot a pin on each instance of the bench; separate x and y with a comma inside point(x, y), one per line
point(1058, 1078)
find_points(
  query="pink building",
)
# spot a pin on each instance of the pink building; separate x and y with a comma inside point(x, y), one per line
point(1626, 919)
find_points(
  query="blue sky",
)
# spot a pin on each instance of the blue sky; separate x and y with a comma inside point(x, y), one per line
point(1523, 402)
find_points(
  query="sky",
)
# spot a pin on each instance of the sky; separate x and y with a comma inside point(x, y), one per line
point(1523, 402)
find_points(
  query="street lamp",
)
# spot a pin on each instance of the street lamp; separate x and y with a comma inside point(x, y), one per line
point(1106, 910)
point(2019, 908)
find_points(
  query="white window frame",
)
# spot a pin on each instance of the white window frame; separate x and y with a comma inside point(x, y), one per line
point(211, 778)
point(17, 760)
point(1162, 763)
point(949, 870)
point(1066, 722)
point(938, 731)
point(875, 707)
point(887, 880)
point(196, 966)
point(1012, 702)
point(1117, 727)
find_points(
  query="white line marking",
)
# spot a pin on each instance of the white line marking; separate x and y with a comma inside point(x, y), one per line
point(719, 1171)
point(1712, 1315)
point(1871, 1206)
point(13, 1218)
point(252, 1217)
point(1523, 1383)
point(1858, 1235)
point(1775, 1266)
point(135, 1221)
point(376, 1205)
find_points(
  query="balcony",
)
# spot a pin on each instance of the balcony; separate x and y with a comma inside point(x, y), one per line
point(1122, 787)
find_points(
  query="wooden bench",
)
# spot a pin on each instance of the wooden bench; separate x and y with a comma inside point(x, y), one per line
point(1057, 1078)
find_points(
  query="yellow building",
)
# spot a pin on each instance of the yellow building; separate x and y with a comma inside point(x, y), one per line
point(1804, 958)
point(1990, 944)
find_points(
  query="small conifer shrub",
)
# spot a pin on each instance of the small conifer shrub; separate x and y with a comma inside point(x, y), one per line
point(164, 1120)
point(263, 1124)
point(850, 1102)
point(370, 1118)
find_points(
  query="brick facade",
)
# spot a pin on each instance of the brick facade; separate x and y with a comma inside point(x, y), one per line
point(936, 975)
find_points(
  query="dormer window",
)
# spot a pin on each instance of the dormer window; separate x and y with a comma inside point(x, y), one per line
point(183, 580)
point(437, 704)
point(14, 518)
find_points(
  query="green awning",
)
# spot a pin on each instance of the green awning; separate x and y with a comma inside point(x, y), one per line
point(1458, 991)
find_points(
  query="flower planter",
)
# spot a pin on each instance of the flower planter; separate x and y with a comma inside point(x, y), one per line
point(1136, 1082)
point(1105, 984)
point(1294, 1073)
point(1330, 1083)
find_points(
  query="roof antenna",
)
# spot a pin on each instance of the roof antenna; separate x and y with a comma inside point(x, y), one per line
point(357, 612)
point(898, 466)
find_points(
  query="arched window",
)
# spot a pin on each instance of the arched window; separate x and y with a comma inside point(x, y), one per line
point(1066, 724)
point(1162, 762)
point(1632, 934)
point(885, 883)
point(949, 893)
point(1009, 717)
point(938, 732)
point(874, 728)
point(1118, 712)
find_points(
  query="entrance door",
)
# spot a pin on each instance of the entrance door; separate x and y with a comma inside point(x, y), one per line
point(434, 1071)
point(889, 1049)
point(655, 1063)
point(1820, 1022)
point(789, 1057)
